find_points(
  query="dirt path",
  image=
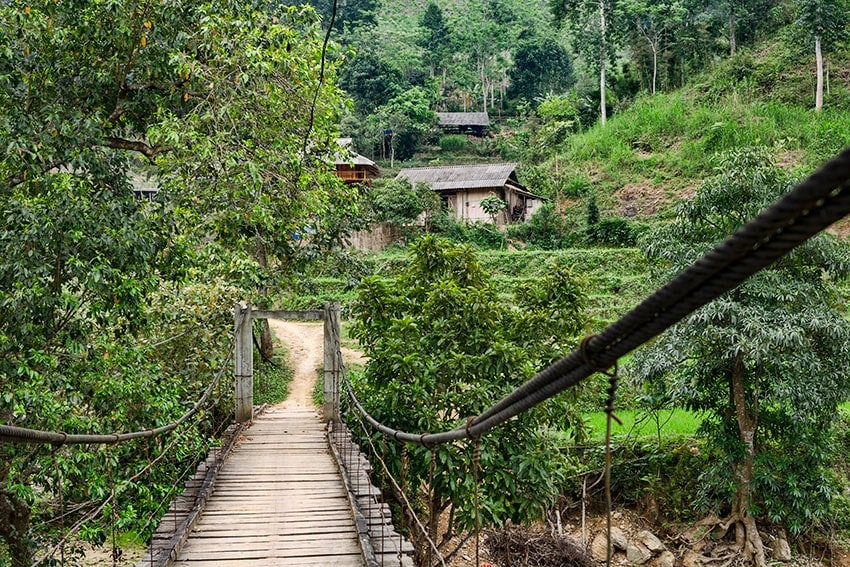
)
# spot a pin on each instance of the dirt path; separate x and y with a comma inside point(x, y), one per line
point(305, 341)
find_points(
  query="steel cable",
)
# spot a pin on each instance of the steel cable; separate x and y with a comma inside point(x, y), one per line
point(813, 205)
point(16, 434)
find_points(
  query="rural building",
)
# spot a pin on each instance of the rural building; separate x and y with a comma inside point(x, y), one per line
point(463, 187)
point(351, 167)
point(145, 186)
point(475, 123)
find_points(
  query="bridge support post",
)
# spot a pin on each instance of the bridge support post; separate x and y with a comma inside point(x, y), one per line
point(243, 357)
point(333, 365)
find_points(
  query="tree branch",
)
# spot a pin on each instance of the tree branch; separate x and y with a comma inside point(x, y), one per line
point(19, 178)
point(149, 152)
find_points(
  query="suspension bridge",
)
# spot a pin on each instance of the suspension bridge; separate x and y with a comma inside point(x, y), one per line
point(289, 488)
point(295, 489)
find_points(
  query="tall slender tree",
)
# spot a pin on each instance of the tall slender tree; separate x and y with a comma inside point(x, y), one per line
point(595, 33)
point(824, 21)
point(435, 39)
point(653, 22)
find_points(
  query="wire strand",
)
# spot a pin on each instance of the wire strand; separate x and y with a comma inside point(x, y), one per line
point(16, 434)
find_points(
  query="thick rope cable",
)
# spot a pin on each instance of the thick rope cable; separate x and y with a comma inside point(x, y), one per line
point(813, 205)
point(16, 434)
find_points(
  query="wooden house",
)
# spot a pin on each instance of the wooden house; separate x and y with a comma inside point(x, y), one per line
point(351, 167)
point(475, 123)
point(463, 187)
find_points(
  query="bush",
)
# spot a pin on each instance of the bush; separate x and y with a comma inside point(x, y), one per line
point(660, 479)
point(615, 231)
point(481, 234)
point(453, 143)
point(395, 202)
point(546, 230)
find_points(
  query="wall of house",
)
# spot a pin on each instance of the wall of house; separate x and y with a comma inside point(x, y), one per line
point(532, 207)
point(469, 205)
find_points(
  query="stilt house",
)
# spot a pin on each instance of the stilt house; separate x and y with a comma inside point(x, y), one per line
point(463, 187)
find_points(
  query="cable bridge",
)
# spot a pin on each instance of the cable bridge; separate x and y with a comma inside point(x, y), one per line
point(288, 488)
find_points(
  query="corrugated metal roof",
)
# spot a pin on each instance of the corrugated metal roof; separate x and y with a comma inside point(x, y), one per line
point(348, 155)
point(461, 176)
point(463, 119)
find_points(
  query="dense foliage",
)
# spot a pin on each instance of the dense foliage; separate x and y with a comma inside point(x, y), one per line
point(104, 325)
point(442, 346)
point(766, 362)
point(114, 313)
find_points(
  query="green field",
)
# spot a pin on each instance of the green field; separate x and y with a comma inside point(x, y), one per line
point(643, 424)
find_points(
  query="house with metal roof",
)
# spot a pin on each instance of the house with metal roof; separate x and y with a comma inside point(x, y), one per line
point(475, 123)
point(463, 187)
point(351, 167)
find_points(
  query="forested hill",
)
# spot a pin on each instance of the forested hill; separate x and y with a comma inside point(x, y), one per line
point(538, 68)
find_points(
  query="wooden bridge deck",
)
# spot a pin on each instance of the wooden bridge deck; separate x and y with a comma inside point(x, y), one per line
point(278, 500)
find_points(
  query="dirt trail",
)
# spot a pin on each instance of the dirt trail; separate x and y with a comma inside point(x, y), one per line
point(305, 341)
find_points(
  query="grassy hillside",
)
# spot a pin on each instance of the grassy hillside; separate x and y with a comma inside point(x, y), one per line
point(658, 148)
point(616, 278)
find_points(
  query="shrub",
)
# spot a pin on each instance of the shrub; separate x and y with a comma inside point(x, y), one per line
point(484, 235)
point(615, 231)
point(546, 229)
point(453, 143)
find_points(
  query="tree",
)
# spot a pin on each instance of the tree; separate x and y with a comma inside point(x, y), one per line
point(220, 98)
point(653, 21)
point(396, 202)
point(540, 66)
point(258, 139)
point(435, 39)
point(408, 117)
point(766, 361)
point(493, 205)
point(442, 346)
point(824, 21)
point(482, 34)
point(350, 14)
point(371, 81)
point(743, 19)
point(594, 32)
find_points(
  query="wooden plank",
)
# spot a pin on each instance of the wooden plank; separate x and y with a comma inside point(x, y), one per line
point(338, 561)
point(278, 500)
point(289, 315)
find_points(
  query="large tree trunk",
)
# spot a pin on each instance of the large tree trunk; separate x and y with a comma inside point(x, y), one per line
point(746, 533)
point(14, 528)
point(603, 56)
point(819, 62)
